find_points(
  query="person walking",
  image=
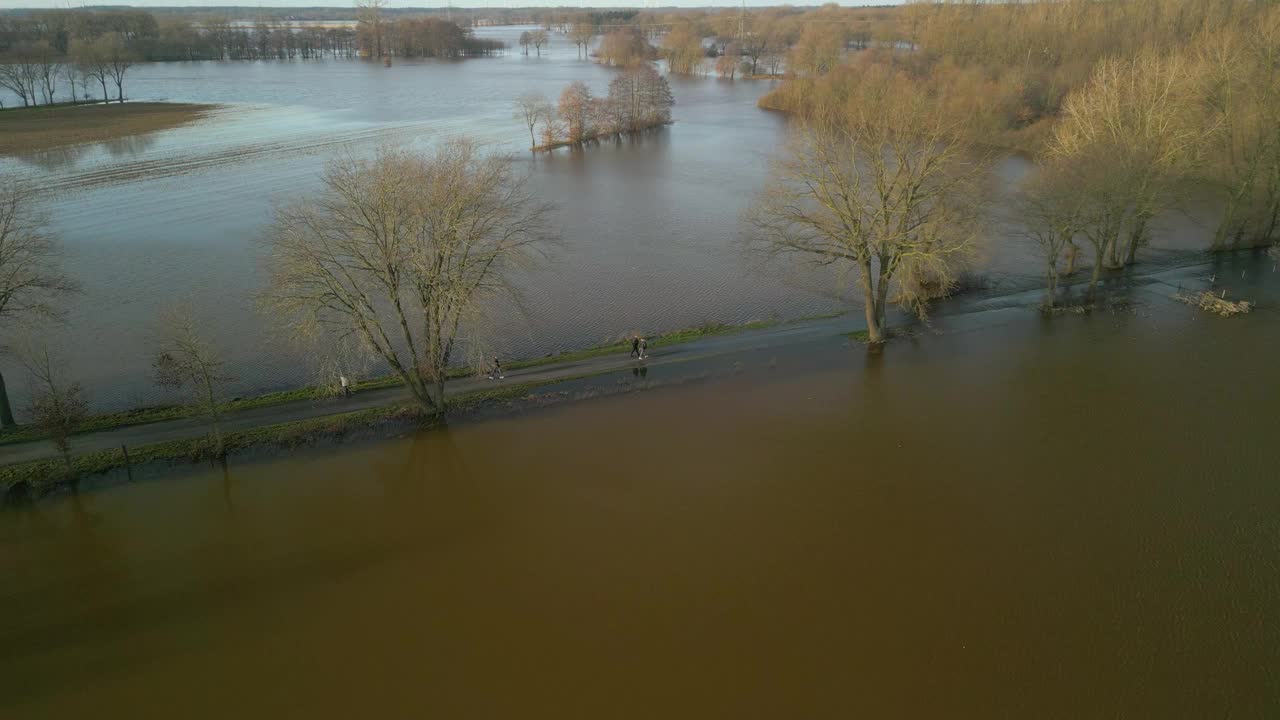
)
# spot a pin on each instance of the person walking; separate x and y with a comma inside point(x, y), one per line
point(635, 347)
point(496, 371)
point(346, 385)
point(644, 348)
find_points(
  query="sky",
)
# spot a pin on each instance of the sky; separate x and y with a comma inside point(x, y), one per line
point(11, 4)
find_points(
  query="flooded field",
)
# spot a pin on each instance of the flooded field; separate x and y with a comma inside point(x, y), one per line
point(649, 228)
point(1020, 517)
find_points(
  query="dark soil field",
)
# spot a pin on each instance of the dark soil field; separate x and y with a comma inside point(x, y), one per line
point(33, 129)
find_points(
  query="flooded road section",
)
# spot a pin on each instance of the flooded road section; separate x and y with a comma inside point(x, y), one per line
point(649, 237)
point(646, 227)
point(1018, 518)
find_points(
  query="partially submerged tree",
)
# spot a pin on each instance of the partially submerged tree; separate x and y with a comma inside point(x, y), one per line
point(31, 276)
point(533, 108)
point(186, 359)
point(684, 52)
point(1136, 125)
point(1242, 71)
point(576, 109)
point(881, 186)
point(399, 250)
point(640, 98)
point(537, 39)
point(1050, 211)
point(58, 407)
point(581, 34)
point(20, 74)
point(369, 27)
point(623, 47)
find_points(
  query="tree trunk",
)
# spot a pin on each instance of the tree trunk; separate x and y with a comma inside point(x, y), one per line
point(6, 410)
point(873, 319)
point(1113, 252)
point(1051, 291)
point(1136, 238)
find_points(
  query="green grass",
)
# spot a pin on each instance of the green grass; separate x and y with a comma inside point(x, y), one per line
point(162, 413)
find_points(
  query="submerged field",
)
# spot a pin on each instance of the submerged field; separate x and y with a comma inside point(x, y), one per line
point(24, 130)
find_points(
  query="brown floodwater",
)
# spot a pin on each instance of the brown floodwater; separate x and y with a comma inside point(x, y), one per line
point(1020, 517)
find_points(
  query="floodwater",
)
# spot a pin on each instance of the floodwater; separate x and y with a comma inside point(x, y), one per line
point(649, 228)
point(1021, 517)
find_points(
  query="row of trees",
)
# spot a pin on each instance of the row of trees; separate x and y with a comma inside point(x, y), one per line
point(1129, 108)
point(535, 39)
point(423, 36)
point(150, 36)
point(37, 72)
point(639, 99)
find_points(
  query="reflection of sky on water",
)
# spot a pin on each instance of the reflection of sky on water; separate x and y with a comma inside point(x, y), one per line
point(649, 227)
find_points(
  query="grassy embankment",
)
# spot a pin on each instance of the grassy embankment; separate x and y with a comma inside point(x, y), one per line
point(330, 426)
point(24, 130)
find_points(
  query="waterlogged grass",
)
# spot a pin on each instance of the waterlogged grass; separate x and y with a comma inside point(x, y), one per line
point(285, 435)
point(163, 413)
point(159, 413)
point(46, 473)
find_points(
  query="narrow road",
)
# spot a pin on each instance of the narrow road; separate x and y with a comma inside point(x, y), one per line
point(194, 427)
point(1158, 285)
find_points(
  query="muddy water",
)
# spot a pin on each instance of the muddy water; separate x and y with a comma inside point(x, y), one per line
point(647, 227)
point(1018, 518)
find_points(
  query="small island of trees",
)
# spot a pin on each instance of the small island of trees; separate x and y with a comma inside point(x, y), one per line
point(639, 99)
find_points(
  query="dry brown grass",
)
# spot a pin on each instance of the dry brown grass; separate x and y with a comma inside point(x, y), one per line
point(27, 130)
point(1216, 303)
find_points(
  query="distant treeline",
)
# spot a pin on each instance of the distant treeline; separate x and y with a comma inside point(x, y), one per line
point(379, 36)
point(149, 36)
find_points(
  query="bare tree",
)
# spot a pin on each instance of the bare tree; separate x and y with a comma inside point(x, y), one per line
point(581, 34)
point(881, 186)
point(20, 74)
point(538, 38)
point(1243, 97)
point(727, 63)
point(397, 251)
point(117, 57)
point(58, 408)
point(1050, 211)
point(641, 98)
point(48, 64)
point(186, 359)
point(526, 39)
point(31, 275)
point(532, 108)
point(1138, 119)
point(575, 109)
point(93, 65)
point(369, 27)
